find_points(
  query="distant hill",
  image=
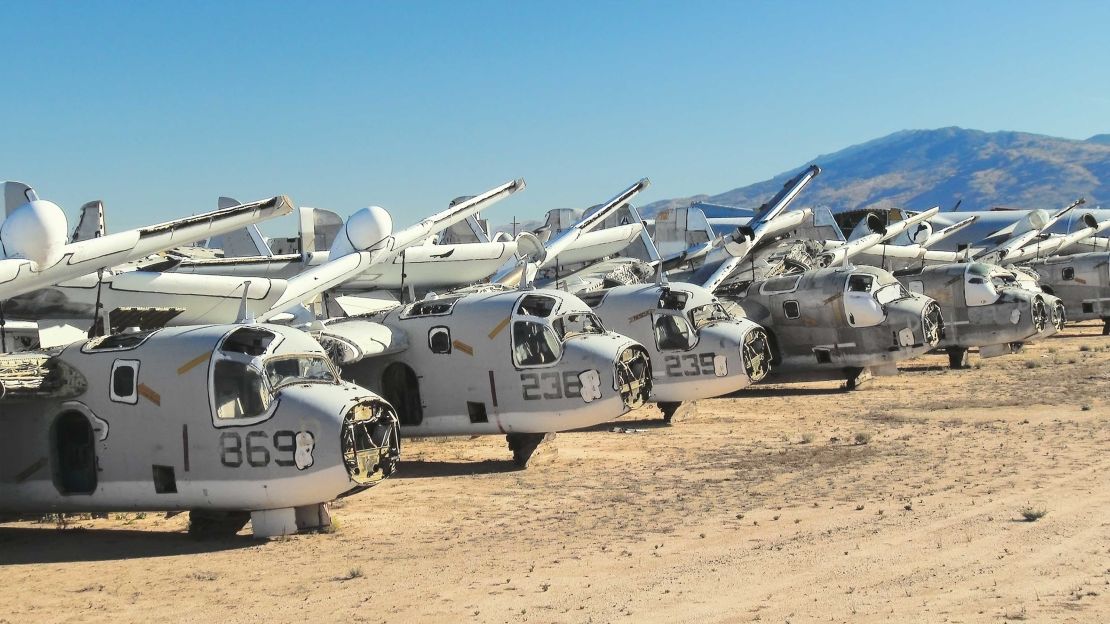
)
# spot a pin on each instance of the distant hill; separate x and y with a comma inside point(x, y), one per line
point(918, 169)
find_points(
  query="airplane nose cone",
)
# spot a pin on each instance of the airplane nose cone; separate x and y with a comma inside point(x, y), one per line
point(633, 375)
point(1059, 315)
point(932, 323)
point(755, 353)
point(370, 441)
point(1040, 313)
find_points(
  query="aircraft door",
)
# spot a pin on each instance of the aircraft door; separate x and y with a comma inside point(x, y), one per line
point(401, 388)
point(74, 454)
point(860, 306)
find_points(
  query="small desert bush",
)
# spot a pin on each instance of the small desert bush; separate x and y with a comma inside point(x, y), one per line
point(1032, 514)
point(862, 438)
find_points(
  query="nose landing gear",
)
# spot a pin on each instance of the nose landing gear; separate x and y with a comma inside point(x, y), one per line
point(524, 445)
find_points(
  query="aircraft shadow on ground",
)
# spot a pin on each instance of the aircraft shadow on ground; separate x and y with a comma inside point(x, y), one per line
point(783, 392)
point(422, 469)
point(639, 423)
point(924, 368)
point(19, 545)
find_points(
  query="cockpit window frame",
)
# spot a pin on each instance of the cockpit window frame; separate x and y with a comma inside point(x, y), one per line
point(249, 361)
point(694, 335)
point(547, 327)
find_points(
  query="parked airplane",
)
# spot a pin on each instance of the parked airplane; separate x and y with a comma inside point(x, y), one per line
point(229, 422)
point(523, 363)
point(824, 321)
point(698, 350)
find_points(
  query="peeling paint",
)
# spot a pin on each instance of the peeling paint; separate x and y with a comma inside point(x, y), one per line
point(591, 385)
point(306, 443)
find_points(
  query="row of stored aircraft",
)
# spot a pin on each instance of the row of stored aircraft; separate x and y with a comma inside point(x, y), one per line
point(196, 366)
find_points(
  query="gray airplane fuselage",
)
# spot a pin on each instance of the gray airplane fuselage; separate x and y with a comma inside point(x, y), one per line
point(698, 350)
point(218, 417)
point(502, 362)
point(835, 322)
point(977, 313)
point(1081, 281)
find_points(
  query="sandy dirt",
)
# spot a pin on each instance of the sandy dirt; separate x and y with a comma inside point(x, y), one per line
point(899, 502)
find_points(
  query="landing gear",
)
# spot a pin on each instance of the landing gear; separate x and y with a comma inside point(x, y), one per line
point(675, 411)
point(523, 445)
point(957, 358)
point(205, 523)
point(854, 379)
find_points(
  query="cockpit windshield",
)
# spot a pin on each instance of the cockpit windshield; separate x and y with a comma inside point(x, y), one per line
point(535, 344)
point(578, 323)
point(891, 292)
point(709, 313)
point(285, 370)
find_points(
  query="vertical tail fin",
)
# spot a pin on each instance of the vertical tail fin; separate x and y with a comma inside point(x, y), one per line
point(91, 222)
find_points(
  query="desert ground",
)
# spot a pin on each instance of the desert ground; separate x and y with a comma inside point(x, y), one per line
point(899, 502)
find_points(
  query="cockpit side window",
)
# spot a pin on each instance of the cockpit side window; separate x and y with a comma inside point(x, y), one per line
point(439, 339)
point(534, 344)
point(239, 391)
point(125, 378)
point(673, 332)
point(860, 282)
point(537, 305)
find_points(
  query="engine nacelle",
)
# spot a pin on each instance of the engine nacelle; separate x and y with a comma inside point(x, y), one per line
point(363, 230)
point(35, 231)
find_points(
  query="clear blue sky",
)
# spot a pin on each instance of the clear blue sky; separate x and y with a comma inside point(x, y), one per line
point(159, 108)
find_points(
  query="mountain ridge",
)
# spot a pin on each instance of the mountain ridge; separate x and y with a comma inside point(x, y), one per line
point(918, 169)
